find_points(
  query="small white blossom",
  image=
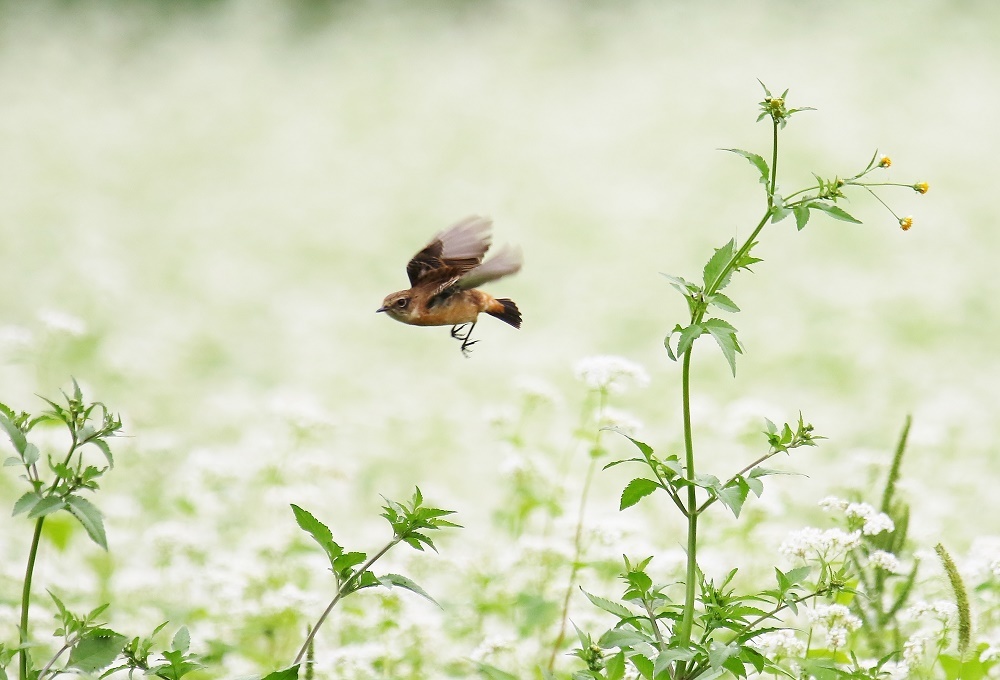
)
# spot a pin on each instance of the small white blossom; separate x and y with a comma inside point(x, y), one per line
point(62, 322)
point(809, 542)
point(942, 610)
point(886, 561)
point(838, 620)
point(780, 643)
point(874, 522)
point(914, 648)
point(623, 420)
point(610, 373)
point(832, 503)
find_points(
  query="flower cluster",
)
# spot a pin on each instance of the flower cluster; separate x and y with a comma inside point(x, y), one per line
point(838, 621)
point(859, 515)
point(610, 373)
point(827, 545)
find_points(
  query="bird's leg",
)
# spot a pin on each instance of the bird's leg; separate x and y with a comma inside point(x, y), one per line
point(456, 331)
point(466, 343)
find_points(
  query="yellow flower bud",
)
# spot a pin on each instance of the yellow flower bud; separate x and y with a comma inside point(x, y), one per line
point(921, 187)
point(884, 162)
point(905, 223)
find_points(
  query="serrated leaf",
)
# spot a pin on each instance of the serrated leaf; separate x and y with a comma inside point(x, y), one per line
point(96, 650)
point(181, 641)
point(635, 491)
point(26, 502)
point(319, 531)
point(290, 673)
point(801, 216)
point(834, 211)
point(90, 517)
point(46, 506)
point(725, 335)
point(619, 610)
point(105, 449)
point(756, 160)
point(399, 581)
point(717, 265)
point(615, 667)
point(623, 638)
point(733, 497)
point(688, 336)
point(16, 436)
point(719, 653)
point(723, 303)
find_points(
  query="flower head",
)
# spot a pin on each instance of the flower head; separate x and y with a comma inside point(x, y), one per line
point(886, 561)
point(884, 162)
point(905, 223)
point(921, 187)
point(610, 373)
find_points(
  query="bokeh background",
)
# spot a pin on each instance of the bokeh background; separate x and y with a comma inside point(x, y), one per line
point(203, 203)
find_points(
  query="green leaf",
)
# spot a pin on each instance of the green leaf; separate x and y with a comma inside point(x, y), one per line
point(834, 211)
point(688, 336)
point(716, 265)
point(46, 506)
point(181, 641)
point(290, 673)
point(623, 638)
point(725, 336)
point(619, 610)
point(319, 531)
point(90, 517)
point(757, 161)
point(399, 581)
point(636, 490)
point(723, 303)
point(96, 650)
point(26, 502)
point(719, 653)
point(615, 667)
point(733, 497)
point(801, 216)
point(13, 431)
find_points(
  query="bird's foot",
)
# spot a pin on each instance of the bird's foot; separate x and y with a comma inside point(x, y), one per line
point(456, 331)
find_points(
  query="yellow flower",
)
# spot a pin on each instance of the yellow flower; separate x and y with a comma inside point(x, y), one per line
point(884, 162)
point(921, 187)
point(905, 223)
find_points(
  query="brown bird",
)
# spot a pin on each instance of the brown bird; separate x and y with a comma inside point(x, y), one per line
point(443, 277)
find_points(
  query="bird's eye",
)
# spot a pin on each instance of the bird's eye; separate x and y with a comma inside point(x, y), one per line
point(402, 302)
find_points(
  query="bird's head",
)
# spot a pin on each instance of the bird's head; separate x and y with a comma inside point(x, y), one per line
point(398, 305)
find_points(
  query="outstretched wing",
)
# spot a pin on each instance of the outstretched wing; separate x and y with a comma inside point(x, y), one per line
point(507, 261)
point(452, 253)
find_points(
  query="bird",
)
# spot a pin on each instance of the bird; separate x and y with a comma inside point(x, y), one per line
point(443, 278)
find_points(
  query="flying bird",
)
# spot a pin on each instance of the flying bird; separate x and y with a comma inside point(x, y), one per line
point(443, 279)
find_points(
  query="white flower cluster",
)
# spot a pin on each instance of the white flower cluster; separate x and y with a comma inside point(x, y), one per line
point(914, 648)
point(828, 544)
point(610, 373)
point(838, 621)
point(886, 561)
point(942, 610)
point(872, 521)
point(780, 643)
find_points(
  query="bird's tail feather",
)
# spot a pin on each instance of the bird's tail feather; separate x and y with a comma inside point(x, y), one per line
point(506, 311)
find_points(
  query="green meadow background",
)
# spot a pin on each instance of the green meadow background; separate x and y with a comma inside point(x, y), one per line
point(203, 203)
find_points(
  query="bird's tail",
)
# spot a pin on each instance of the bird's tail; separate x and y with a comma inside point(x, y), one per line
point(506, 311)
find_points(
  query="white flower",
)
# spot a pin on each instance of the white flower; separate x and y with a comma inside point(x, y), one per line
point(828, 544)
point(874, 522)
point(913, 649)
point(779, 643)
point(886, 561)
point(610, 373)
point(623, 420)
point(62, 322)
point(838, 620)
point(832, 503)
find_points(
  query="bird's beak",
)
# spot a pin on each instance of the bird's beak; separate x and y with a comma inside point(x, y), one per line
point(381, 309)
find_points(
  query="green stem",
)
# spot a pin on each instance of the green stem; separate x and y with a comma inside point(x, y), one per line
point(342, 592)
point(26, 597)
point(578, 536)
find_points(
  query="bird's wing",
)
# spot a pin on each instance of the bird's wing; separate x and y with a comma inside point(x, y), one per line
point(507, 261)
point(451, 253)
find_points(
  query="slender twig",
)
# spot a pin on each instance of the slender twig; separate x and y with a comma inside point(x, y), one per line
point(342, 592)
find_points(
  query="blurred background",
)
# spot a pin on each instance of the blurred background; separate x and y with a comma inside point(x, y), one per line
point(203, 203)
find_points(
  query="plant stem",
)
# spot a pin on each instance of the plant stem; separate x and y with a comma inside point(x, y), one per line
point(342, 592)
point(578, 536)
point(26, 597)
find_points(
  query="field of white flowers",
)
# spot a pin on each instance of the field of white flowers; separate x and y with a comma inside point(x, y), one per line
point(202, 205)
